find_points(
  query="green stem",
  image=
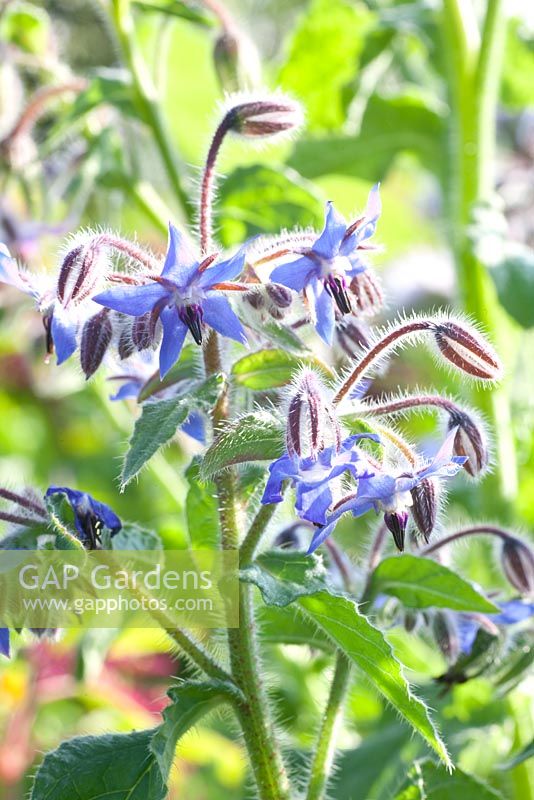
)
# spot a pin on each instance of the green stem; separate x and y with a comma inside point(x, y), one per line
point(147, 100)
point(255, 532)
point(326, 742)
point(474, 67)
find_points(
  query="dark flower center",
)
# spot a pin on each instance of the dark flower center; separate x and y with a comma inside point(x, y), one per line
point(192, 317)
point(337, 289)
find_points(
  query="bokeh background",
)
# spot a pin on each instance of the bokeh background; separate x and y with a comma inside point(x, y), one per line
point(381, 85)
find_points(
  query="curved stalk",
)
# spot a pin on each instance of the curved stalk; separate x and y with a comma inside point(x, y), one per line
point(476, 530)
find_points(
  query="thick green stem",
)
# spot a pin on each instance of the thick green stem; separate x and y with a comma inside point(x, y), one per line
point(147, 100)
point(326, 742)
point(474, 67)
point(255, 532)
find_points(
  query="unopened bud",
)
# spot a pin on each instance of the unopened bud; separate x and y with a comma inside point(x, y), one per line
point(236, 61)
point(290, 538)
point(517, 561)
point(351, 336)
point(144, 330)
point(470, 441)
point(425, 506)
point(265, 117)
point(446, 635)
point(96, 337)
point(81, 271)
point(396, 522)
point(311, 421)
point(465, 349)
point(367, 293)
point(279, 295)
point(255, 299)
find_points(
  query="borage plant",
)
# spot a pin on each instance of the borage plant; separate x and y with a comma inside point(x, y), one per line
point(324, 446)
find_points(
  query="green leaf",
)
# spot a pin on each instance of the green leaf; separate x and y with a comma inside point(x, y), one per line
point(202, 510)
point(404, 123)
point(517, 90)
point(428, 781)
point(185, 369)
point(424, 583)
point(160, 420)
point(189, 701)
point(284, 578)
point(253, 437)
point(62, 522)
point(117, 765)
point(269, 369)
point(176, 8)
point(27, 27)
point(133, 537)
point(514, 280)
point(261, 199)
point(288, 625)
point(323, 57)
point(273, 331)
point(523, 755)
point(132, 766)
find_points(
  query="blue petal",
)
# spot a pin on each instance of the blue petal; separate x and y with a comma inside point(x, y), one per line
point(320, 535)
point(223, 271)
point(313, 505)
point(467, 629)
point(295, 274)
point(195, 427)
point(174, 333)
point(325, 319)
point(219, 315)
point(181, 262)
point(4, 641)
point(513, 611)
point(132, 300)
point(105, 514)
point(63, 334)
point(327, 245)
point(280, 470)
point(129, 389)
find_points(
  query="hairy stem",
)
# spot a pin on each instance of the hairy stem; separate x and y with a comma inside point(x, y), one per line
point(255, 532)
point(412, 401)
point(208, 185)
point(326, 741)
point(476, 530)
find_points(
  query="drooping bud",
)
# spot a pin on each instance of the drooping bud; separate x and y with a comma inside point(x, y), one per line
point(265, 117)
point(96, 337)
point(517, 560)
point(279, 295)
point(290, 538)
point(425, 506)
point(465, 349)
point(367, 293)
point(311, 422)
point(446, 635)
point(396, 522)
point(470, 441)
point(125, 345)
point(236, 61)
point(255, 299)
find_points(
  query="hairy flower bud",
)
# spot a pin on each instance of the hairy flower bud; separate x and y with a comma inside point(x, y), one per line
point(311, 421)
point(470, 441)
point(96, 337)
point(279, 295)
point(425, 505)
point(144, 330)
point(396, 522)
point(446, 635)
point(465, 349)
point(255, 299)
point(517, 560)
point(367, 293)
point(351, 336)
point(81, 271)
point(236, 61)
point(265, 117)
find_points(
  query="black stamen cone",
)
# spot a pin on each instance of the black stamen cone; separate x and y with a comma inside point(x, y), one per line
point(396, 523)
point(336, 289)
point(192, 317)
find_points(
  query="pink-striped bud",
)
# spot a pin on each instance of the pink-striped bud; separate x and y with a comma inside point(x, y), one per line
point(352, 336)
point(144, 330)
point(312, 424)
point(517, 560)
point(425, 504)
point(367, 293)
point(265, 117)
point(470, 441)
point(466, 350)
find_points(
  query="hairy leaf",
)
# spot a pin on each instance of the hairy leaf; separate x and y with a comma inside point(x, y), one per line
point(253, 437)
point(160, 420)
point(423, 583)
point(429, 781)
point(269, 369)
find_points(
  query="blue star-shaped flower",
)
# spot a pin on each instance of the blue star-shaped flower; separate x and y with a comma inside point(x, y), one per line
point(312, 476)
point(468, 625)
point(89, 514)
point(391, 493)
point(325, 270)
point(4, 641)
point(185, 295)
